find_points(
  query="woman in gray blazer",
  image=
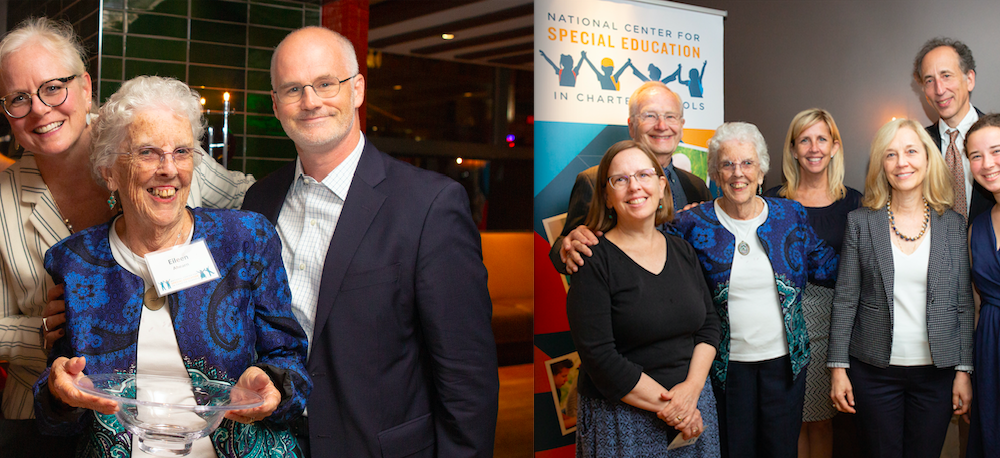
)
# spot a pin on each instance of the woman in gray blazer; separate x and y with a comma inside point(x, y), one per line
point(902, 322)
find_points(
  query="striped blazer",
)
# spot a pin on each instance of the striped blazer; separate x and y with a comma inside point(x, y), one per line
point(862, 321)
point(30, 225)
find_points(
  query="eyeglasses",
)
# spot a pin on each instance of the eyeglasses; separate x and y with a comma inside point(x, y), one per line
point(326, 87)
point(152, 158)
point(621, 181)
point(52, 93)
point(730, 166)
point(651, 117)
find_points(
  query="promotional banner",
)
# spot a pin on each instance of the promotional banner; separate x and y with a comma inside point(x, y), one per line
point(591, 55)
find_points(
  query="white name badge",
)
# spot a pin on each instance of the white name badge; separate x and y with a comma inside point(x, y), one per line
point(181, 267)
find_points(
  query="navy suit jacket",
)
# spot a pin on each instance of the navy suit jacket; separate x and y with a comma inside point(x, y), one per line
point(982, 200)
point(403, 359)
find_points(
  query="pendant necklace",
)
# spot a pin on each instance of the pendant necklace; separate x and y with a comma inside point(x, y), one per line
point(150, 299)
point(743, 247)
point(65, 220)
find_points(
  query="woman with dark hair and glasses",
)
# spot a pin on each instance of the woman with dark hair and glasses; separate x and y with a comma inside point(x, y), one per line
point(757, 254)
point(642, 321)
point(47, 195)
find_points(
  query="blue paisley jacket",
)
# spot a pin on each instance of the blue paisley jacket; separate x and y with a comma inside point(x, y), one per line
point(223, 327)
point(797, 256)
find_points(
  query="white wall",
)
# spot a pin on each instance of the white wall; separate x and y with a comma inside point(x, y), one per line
point(853, 58)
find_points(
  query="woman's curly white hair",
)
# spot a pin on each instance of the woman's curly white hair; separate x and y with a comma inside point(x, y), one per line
point(139, 94)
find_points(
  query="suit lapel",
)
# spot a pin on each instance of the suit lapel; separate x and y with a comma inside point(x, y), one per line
point(363, 203)
point(271, 200)
point(935, 132)
point(878, 225)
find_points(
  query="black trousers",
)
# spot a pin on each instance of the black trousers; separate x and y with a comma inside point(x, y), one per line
point(903, 411)
point(760, 411)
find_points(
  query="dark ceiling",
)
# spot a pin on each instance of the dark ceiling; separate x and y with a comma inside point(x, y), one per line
point(487, 32)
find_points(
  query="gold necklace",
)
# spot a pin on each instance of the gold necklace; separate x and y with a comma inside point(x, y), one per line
point(64, 219)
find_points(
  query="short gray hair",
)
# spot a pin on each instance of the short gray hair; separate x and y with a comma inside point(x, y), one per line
point(739, 132)
point(346, 48)
point(139, 94)
point(57, 37)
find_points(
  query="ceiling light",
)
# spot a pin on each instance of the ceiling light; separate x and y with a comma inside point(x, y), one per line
point(397, 87)
point(447, 36)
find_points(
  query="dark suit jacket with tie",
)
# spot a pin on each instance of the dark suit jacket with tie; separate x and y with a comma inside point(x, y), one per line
point(982, 200)
point(862, 321)
point(583, 192)
point(402, 358)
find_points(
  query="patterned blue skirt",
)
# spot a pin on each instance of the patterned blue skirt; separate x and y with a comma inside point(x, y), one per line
point(613, 429)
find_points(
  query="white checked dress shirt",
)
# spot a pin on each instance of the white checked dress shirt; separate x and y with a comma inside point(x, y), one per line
point(30, 224)
point(306, 224)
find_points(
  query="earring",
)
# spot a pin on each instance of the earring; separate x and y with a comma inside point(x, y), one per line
point(89, 118)
point(760, 189)
point(660, 207)
point(112, 201)
point(609, 216)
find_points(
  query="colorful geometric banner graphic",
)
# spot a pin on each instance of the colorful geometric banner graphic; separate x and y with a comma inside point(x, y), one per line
point(591, 55)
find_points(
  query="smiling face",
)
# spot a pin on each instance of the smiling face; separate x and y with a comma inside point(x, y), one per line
point(947, 89)
point(814, 148)
point(153, 194)
point(315, 124)
point(635, 201)
point(984, 157)
point(46, 130)
point(739, 183)
point(663, 135)
point(905, 162)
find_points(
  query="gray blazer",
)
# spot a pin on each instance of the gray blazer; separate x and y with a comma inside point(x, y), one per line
point(862, 320)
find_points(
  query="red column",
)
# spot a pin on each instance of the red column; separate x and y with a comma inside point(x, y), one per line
point(350, 19)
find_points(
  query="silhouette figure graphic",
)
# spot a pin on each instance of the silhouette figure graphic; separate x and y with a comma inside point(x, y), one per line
point(567, 74)
point(608, 81)
point(655, 73)
point(694, 83)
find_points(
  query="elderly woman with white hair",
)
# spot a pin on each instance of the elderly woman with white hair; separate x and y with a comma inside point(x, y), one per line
point(757, 255)
point(47, 195)
point(235, 326)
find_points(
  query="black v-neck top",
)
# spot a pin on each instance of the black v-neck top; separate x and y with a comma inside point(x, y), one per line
point(625, 320)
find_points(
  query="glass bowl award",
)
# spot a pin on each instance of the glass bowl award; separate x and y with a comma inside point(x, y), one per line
point(167, 413)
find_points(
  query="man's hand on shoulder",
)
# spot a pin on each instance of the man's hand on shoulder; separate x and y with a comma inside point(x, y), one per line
point(690, 206)
point(575, 244)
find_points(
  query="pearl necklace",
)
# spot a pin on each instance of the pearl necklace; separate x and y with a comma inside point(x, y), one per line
point(892, 222)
